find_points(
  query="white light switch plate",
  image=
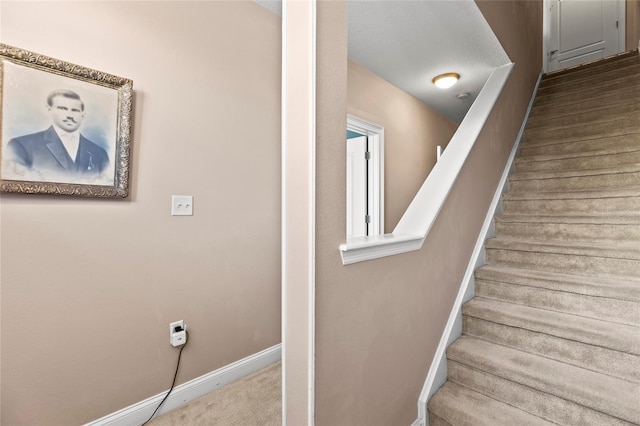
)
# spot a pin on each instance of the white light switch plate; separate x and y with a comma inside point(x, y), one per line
point(181, 205)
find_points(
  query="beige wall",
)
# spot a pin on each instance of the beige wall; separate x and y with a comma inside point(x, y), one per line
point(89, 286)
point(412, 131)
point(378, 322)
point(633, 24)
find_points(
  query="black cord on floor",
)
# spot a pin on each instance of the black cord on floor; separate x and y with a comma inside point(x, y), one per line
point(174, 380)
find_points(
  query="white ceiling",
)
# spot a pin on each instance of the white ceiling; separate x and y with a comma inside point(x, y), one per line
point(408, 42)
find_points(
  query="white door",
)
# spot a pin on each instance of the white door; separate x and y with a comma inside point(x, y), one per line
point(584, 31)
point(356, 187)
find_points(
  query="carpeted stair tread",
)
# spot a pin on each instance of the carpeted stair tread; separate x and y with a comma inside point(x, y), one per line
point(539, 403)
point(593, 67)
point(610, 310)
point(602, 360)
point(612, 288)
point(597, 158)
point(582, 195)
point(572, 118)
point(608, 228)
point(620, 137)
point(629, 140)
point(609, 395)
point(621, 201)
point(593, 219)
point(613, 336)
point(621, 71)
point(594, 90)
point(569, 203)
point(620, 176)
point(624, 66)
point(620, 125)
point(583, 258)
point(623, 168)
point(479, 410)
point(576, 106)
point(617, 251)
point(627, 117)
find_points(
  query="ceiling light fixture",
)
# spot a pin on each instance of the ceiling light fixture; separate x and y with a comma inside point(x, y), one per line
point(444, 81)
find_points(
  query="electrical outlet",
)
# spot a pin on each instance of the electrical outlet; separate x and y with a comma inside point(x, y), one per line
point(177, 333)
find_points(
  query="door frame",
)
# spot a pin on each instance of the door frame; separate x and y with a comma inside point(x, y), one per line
point(375, 178)
point(546, 29)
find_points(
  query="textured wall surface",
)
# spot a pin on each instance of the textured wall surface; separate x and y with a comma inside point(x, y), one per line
point(633, 24)
point(89, 286)
point(378, 322)
point(412, 131)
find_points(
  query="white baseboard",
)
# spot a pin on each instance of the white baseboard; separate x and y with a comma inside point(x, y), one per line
point(437, 371)
point(138, 413)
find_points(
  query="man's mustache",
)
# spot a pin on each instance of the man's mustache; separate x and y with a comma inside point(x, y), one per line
point(71, 119)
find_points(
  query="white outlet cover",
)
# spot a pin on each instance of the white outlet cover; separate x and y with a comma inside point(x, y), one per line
point(181, 205)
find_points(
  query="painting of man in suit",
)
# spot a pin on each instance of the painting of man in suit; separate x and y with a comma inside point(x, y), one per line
point(64, 129)
point(61, 149)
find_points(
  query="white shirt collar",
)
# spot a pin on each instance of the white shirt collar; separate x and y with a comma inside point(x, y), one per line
point(70, 140)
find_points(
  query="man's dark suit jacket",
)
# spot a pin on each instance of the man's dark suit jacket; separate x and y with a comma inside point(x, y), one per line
point(43, 151)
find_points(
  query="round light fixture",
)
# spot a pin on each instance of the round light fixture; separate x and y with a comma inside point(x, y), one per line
point(464, 95)
point(444, 81)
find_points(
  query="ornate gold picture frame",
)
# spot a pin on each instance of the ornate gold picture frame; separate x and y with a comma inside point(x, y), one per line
point(64, 129)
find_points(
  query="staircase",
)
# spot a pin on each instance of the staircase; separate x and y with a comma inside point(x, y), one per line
point(552, 335)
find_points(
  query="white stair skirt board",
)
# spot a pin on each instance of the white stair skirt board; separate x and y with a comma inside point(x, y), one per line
point(193, 389)
point(437, 374)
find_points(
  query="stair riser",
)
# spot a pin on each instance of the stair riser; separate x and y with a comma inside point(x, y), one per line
point(542, 404)
point(621, 125)
point(623, 205)
point(579, 232)
point(576, 83)
point(578, 163)
point(613, 144)
point(595, 358)
point(577, 183)
point(613, 310)
point(558, 109)
point(594, 91)
point(566, 263)
point(600, 115)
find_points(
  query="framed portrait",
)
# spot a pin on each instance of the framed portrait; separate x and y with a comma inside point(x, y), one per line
point(64, 129)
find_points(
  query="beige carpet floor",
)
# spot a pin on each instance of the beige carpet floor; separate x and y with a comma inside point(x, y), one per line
point(254, 400)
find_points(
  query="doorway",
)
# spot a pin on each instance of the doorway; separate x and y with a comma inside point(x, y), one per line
point(365, 178)
point(581, 31)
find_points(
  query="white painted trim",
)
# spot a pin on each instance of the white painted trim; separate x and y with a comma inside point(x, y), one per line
point(622, 26)
point(283, 204)
point(546, 33)
point(311, 307)
point(298, 207)
point(138, 413)
point(375, 133)
point(439, 359)
point(423, 210)
point(360, 249)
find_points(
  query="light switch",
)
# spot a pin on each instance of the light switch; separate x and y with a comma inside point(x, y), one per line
point(181, 205)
